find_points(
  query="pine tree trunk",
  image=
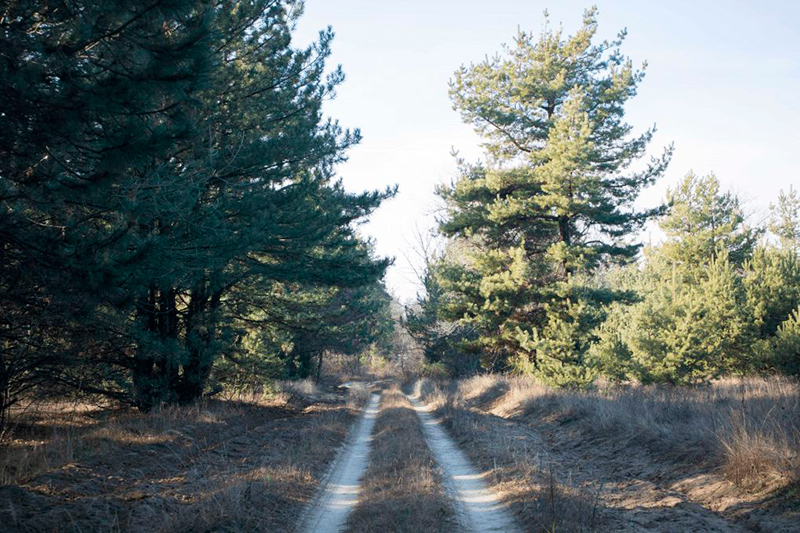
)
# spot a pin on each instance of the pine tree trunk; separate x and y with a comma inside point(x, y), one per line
point(167, 365)
point(566, 237)
point(200, 328)
point(319, 365)
point(5, 391)
point(155, 368)
point(144, 378)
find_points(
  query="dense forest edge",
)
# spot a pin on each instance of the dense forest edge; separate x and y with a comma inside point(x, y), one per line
point(171, 222)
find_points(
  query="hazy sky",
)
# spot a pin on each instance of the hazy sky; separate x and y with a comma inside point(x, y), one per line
point(722, 83)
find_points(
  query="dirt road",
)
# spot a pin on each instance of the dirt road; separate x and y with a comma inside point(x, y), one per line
point(477, 508)
point(339, 492)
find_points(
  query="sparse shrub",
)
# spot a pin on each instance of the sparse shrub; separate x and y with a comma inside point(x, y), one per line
point(436, 370)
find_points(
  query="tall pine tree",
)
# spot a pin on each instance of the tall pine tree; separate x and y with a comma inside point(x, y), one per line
point(98, 100)
point(265, 205)
point(155, 159)
point(555, 198)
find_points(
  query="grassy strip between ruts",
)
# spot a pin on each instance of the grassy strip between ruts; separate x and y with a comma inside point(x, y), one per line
point(402, 490)
point(236, 465)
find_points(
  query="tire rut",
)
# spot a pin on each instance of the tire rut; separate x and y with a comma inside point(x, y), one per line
point(478, 509)
point(339, 490)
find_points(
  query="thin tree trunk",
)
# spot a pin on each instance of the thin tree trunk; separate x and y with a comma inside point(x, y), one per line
point(319, 365)
point(144, 377)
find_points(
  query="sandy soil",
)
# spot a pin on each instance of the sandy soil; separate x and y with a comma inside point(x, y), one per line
point(478, 509)
point(338, 495)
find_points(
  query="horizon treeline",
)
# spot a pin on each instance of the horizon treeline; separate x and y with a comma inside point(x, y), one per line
point(541, 272)
point(169, 215)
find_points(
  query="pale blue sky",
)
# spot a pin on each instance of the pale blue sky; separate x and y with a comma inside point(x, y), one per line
point(723, 84)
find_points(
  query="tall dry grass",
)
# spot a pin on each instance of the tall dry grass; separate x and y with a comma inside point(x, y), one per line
point(538, 491)
point(747, 431)
point(747, 428)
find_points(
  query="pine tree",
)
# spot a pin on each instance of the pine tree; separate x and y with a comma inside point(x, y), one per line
point(556, 197)
point(154, 160)
point(772, 281)
point(98, 98)
point(691, 328)
point(266, 207)
point(785, 219)
point(786, 345)
point(560, 347)
point(344, 321)
point(701, 313)
point(442, 341)
point(421, 320)
point(702, 220)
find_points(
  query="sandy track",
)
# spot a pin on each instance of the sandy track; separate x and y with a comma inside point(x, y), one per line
point(477, 508)
point(339, 492)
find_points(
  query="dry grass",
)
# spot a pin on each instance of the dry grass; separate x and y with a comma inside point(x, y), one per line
point(402, 490)
point(371, 368)
point(750, 429)
point(744, 431)
point(526, 477)
point(56, 434)
point(243, 465)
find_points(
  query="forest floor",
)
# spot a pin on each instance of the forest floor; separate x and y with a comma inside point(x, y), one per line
point(247, 464)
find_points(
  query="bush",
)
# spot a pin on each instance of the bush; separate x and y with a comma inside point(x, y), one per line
point(434, 370)
point(786, 345)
